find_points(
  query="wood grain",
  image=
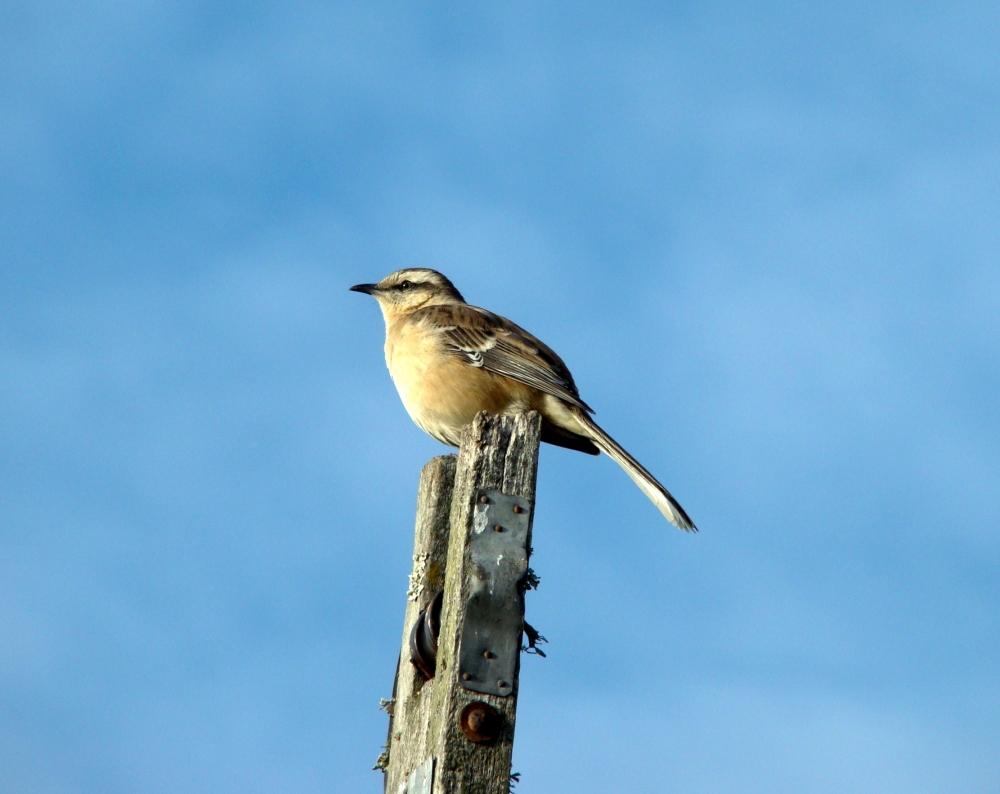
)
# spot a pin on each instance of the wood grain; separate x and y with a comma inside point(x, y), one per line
point(499, 453)
point(410, 718)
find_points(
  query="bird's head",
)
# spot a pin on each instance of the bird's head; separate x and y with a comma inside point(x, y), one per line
point(405, 291)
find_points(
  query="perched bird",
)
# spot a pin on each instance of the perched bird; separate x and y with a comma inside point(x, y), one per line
point(450, 360)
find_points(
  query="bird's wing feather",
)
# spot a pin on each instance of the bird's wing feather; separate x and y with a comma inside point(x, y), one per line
point(487, 340)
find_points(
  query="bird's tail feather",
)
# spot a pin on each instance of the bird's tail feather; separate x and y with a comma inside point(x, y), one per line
point(647, 483)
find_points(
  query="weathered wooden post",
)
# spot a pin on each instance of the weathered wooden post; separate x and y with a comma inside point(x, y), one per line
point(453, 733)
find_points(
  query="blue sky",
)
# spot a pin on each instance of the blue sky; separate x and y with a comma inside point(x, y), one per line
point(764, 239)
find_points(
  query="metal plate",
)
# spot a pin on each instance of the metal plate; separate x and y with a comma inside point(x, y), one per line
point(494, 616)
point(420, 780)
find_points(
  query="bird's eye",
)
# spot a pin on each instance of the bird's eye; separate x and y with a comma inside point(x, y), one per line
point(405, 285)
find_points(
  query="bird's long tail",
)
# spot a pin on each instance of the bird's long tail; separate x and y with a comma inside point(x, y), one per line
point(647, 483)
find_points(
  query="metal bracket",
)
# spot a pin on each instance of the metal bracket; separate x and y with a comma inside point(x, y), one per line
point(494, 616)
point(420, 780)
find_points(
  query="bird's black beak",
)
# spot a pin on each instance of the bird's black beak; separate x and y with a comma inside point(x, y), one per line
point(368, 289)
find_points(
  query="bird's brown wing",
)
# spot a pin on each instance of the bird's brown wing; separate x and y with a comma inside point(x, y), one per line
point(494, 343)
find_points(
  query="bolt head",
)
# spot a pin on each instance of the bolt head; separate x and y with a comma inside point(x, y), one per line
point(484, 499)
point(480, 722)
point(466, 676)
point(498, 528)
point(518, 509)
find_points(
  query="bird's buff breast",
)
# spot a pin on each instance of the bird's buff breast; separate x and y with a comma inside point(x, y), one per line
point(441, 392)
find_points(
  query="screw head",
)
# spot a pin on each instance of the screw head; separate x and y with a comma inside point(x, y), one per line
point(489, 655)
point(480, 722)
point(466, 676)
point(498, 528)
point(484, 499)
point(518, 509)
point(503, 684)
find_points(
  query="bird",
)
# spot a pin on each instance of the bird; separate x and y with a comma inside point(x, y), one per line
point(450, 360)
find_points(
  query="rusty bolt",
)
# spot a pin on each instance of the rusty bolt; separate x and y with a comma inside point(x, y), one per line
point(518, 509)
point(466, 676)
point(489, 655)
point(480, 722)
point(498, 528)
point(484, 499)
